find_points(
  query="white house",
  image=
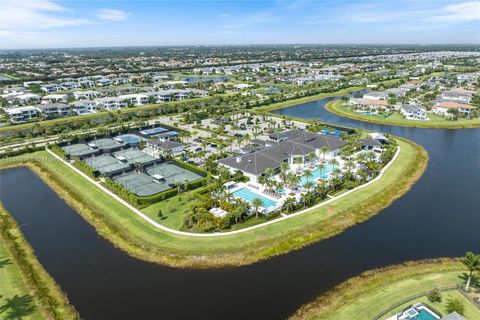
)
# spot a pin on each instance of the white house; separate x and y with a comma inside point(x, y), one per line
point(413, 112)
point(50, 87)
point(22, 114)
point(111, 103)
point(71, 85)
point(136, 99)
point(84, 107)
point(53, 109)
point(53, 98)
point(79, 95)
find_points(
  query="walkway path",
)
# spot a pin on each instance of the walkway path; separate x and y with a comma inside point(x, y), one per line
point(220, 234)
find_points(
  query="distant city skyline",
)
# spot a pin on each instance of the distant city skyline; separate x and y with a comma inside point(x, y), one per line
point(62, 24)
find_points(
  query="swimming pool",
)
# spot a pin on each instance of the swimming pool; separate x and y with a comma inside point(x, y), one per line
point(323, 174)
point(248, 195)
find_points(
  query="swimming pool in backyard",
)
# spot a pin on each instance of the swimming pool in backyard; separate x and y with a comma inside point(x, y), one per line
point(248, 195)
point(317, 174)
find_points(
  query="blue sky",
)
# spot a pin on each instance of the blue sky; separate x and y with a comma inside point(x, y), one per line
point(55, 23)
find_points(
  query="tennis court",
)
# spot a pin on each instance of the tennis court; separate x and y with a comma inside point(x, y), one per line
point(105, 144)
point(149, 132)
point(80, 150)
point(172, 173)
point(107, 164)
point(141, 184)
point(129, 139)
point(167, 174)
point(132, 156)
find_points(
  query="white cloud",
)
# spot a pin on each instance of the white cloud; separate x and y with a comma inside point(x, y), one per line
point(34, 15)
point(225, 15)
point(112, 14)
point(459, 12)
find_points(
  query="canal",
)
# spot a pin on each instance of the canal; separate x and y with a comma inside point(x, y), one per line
point(438, 217)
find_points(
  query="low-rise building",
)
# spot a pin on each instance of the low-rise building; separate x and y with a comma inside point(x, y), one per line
point(84, 107)
point(442, 108)
point(53, 110)
point(413, 112)
point(111, 103)
point(159, 148)
point(22, 114)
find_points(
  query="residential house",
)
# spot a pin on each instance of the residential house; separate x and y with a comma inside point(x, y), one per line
point(71, 86)
point(53, 98)
point(89, 95)
point(111, 103)
point(22, 114)
point(84, 107)
point(50, 87)
point(442, 108)
point(136, 99)
point(52, 110)
point(369, 105)
point(413, 112)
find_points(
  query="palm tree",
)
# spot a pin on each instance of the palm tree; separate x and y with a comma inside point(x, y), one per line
point(289, 204)
point(308, 186)
point(321, 167)
point(312, 157)
point(283, 170)
point(350, 165)
point(308, 174)
point(257, 203)
point(333, 163)
point(472, 262)
point(324, 150)
point(293, 180)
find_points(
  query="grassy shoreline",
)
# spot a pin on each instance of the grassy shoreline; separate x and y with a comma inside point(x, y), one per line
point(138, 238)
point(374, 291)
point(293, 102)
point(335, 108)
point(25, 276)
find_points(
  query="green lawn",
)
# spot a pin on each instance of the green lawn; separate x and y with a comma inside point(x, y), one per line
point(139, 238)
point(374, 292)
point(471, 311)
point(14, 293)
point(9, 76)
point(173, 210)
point(397, 119)
point(292, 102)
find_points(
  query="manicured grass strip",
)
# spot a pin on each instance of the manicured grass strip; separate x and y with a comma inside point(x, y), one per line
point(25, 287)
point(13, 288)
point(142, 240)
point(397, 120)
point(367, 295)
point(292, 102)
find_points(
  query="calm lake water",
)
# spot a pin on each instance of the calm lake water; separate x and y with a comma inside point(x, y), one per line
point(438, 217)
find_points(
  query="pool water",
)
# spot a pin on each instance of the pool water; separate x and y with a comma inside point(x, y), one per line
point(248, 195)
point(424, 315)
point(323, 174)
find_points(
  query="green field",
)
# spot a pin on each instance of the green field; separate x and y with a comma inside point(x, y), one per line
point(375, 292)
point(134, 235)
point(14, 293)
point(397, 120)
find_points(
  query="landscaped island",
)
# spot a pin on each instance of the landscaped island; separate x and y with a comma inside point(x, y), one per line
point(398, 120)
point(141, 239)
point(426, 289)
